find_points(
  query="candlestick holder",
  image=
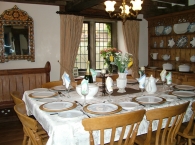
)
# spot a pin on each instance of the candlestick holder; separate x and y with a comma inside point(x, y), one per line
point(103, 84)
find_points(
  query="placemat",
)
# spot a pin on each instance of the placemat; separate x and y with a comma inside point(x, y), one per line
point(128, 91)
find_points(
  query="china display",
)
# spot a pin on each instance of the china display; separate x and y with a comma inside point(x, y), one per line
point(121, 82)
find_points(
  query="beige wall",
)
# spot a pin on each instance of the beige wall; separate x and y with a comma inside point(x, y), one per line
point(47, 38)
point(46, 35)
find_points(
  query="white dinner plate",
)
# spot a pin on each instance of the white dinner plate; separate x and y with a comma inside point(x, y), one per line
point(59, 88)
point(44, 94)
point(149, 100)
point(48, 100)
point(128, 105)
point(184, 93)
point(71, 114)
point(131, 81)
point(185, 87)
point(40, 89)
point(102, 107)
point(168, 97)
point(57, 105)
point(153, 67)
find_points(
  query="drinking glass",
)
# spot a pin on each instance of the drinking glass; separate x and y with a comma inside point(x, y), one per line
point(109, 95)
point(84, 92)
point(68, 90)
point(142, 90)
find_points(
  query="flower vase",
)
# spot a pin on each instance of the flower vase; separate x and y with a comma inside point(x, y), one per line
point(121, 82)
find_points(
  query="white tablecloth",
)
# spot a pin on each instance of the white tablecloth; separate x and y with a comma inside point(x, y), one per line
point(63, 131)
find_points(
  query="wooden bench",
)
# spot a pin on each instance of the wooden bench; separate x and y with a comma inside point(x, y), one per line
point(19, 80)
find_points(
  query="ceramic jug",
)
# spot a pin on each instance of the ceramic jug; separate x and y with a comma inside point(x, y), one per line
point(151, 85)
point(192, 58)
point(154, 55)
point(165, 57)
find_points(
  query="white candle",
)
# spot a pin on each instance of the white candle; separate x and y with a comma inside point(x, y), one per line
point(103, 71)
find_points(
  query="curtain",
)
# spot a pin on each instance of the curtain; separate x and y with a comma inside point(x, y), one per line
point(131, 36)
point(70, 35)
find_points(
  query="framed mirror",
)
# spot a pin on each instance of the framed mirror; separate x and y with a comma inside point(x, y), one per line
point(16, 36)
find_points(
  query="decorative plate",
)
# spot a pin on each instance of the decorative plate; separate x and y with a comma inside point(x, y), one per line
point(149, 100)
point(159, 30)
point(102, 108)
point(167, 30)
point(59, 88)
point(191, 28)
point(45, 94)
point(182, 41)
point(57, 106)
point(192, 42)
point(153, 67)
point(181, 28)
point(171, 42)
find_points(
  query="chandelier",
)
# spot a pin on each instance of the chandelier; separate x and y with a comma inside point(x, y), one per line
point(125, 9)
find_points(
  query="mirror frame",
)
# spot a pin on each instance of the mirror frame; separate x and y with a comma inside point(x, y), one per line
point(16, 16)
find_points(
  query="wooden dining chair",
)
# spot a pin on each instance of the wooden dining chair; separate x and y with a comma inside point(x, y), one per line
point(17, 97)
point(113, 122)
point(52, 84)
point(186, 132)
point(171, 117)
point(37, 135)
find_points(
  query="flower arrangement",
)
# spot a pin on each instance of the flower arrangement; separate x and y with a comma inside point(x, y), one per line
point(123, 61)
point(109, 54)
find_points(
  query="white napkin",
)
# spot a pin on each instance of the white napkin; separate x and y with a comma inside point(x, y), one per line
point(141, 81)
point(169, 78)
point(66, 79)
point(163, 75)
point(109, 84)
point(84, 86)
point(94, 74)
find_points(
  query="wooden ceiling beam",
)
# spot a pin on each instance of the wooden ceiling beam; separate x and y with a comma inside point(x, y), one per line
point(80, 5)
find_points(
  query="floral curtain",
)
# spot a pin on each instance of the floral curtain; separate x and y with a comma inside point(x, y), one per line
point(70, 35)
point(131, 36)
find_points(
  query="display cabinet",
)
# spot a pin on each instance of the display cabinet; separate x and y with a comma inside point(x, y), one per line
point(171, 43)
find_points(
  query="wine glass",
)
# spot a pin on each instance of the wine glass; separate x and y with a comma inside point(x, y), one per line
point(142, 90)
point(109, 94)
point(68, 90)
point(84, 92)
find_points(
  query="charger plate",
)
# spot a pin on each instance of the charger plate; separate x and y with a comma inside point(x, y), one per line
point(102, 108)
point(58, 106)
point(149, 100)
point(44, 94)
point(185, 87)
point(183, 94)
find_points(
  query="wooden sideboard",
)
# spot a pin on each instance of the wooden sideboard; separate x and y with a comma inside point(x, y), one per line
point(176, 43)
point(182, 76)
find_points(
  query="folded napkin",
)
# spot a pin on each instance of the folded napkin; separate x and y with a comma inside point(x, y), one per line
point(163, 75)
point(66, 79)
point(141, 81)
point(169, 78)
point(84, 86)
point(109, 84)
point(94, 74)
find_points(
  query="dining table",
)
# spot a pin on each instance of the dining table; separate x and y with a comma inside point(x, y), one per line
point(70, 131)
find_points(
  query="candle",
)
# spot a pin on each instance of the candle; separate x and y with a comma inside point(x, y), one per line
point(103, 71)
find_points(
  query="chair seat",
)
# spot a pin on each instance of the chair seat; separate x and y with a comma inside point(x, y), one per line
point(141, 138)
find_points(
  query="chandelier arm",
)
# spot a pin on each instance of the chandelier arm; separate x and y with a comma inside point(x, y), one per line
point(132, 14)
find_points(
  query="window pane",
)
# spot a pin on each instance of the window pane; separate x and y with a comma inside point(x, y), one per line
point(103, 40)
point(82, 55)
